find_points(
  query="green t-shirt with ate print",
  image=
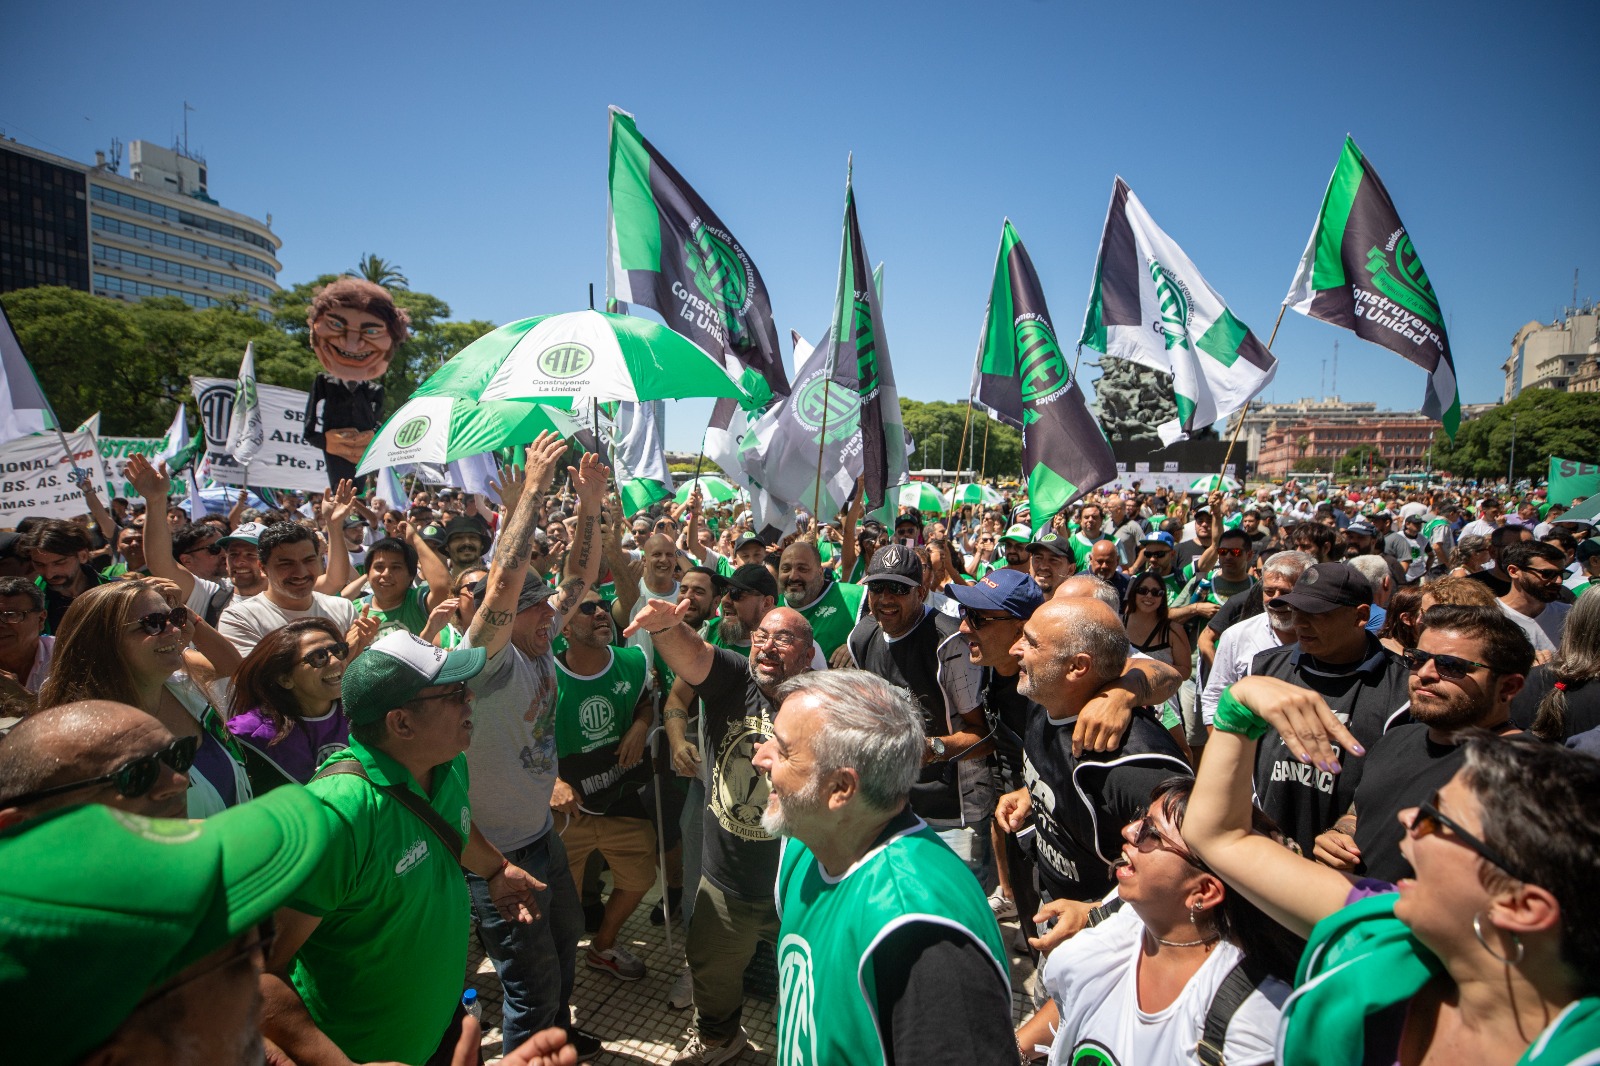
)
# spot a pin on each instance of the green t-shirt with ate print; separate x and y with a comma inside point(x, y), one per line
point(381, 974)
point(411, 614)
point(833, 614)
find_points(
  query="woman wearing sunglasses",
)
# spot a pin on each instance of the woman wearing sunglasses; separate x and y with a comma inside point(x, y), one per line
point(1151, 980)
point(1489, 954)
point(285, 708)
point(129, 642)
point(1144, 615)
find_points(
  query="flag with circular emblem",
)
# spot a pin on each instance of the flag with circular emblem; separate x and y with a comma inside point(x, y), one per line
point(1150, 305)
point(1022, 378)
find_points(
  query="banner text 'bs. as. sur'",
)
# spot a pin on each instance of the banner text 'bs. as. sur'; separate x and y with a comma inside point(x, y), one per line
point(36, 476)
point(285, 460)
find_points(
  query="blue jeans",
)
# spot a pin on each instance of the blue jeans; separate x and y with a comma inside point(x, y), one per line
point(538, 961)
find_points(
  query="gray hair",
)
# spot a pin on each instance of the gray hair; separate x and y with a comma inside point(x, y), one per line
point(1097, 589)
point(868, 725)
point(1289, 564)
point(1105, 642)
point(1373, 568)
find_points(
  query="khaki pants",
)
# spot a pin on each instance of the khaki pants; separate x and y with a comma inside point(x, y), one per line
point(722, 941)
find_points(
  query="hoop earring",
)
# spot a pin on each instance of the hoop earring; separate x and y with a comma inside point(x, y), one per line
point(1516, 941)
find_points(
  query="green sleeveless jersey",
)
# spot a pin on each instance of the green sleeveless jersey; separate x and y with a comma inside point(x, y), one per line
point(833, 615)
point(826, 981)
point(594, 711)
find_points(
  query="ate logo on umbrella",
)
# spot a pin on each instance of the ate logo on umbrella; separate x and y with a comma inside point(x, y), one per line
point(565, 360)
point(412, 432)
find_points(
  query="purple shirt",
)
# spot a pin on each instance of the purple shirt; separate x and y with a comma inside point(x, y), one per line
point(302, 749)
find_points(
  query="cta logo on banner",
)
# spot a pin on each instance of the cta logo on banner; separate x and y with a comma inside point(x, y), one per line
point(285, 460)
point(36, 477)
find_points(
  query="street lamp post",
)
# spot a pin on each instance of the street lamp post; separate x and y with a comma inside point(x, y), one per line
point(1511, 464)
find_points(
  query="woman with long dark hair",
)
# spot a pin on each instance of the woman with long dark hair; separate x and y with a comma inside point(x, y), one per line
point(285, 707)
point(1144, 615)
point(1562, 696)
point(1400, 624)
point(1141, 985)
point(128, 642)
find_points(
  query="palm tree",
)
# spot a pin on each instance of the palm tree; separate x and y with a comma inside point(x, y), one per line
point(380, 271)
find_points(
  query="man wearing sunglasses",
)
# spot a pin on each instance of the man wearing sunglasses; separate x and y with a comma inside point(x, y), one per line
point(1534, 599)
point(1365, 685)
point(94, 751)
point(1468, 664)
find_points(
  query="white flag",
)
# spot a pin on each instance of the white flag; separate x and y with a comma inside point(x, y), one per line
point(23, 407)
point(639, 456)
point(247, 432)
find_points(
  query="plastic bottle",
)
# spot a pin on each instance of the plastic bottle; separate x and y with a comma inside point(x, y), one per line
point(470, 1003)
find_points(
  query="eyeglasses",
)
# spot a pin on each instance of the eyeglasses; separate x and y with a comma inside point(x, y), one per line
point(454, 694)
point(888, 588)
point(976, 621)
point(12, 618)
point(1450, 667)
point(155, 623)
point(1428, 819)
point(334, 326)
point(317, 658)
point(781, 641)
point(1543, 574)
point(1230, 553)
point(1147, 837)
point(133, 778)
point(588, 607)
point(266, 936)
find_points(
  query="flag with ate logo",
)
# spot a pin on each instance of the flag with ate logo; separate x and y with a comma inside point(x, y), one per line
point(1151, 306)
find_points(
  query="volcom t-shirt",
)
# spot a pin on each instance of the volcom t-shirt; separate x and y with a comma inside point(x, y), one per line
point(1094, 980)
point(740, 858)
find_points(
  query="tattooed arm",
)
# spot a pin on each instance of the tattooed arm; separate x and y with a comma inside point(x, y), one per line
point(583, 560)
point(492, 625)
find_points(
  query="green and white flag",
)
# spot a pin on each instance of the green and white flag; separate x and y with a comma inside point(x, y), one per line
point(1151, 306)
point(1361, 271)
point(23, 406)
point(247, 432)
point(1022, 379)
point(1571, 481)
point(639, 457)
point(669, 252)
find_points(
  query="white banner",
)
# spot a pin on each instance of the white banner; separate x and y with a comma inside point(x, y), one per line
point(1150, 480)
point(35, 477)
point(285, 460)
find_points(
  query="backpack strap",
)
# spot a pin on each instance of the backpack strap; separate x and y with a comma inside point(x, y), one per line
point(412, 802)
point(1245, 977)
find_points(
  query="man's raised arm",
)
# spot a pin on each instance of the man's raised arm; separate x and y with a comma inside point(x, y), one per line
point(491, 626)
point(681, 648)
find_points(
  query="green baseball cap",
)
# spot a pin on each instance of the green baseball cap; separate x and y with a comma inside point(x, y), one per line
point(1022, 533)
point(99, 906)
point(396, 668)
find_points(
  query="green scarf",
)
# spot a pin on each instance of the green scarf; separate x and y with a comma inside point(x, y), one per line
point(1362, 960)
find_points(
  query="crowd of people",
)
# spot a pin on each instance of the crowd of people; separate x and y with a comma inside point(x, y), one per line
point(1288, 775)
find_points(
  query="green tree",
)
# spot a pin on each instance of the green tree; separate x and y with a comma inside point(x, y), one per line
point(381, 271)
point(1548, 423)
point(927, 421)
point(1307, 465)
point(1362, 459)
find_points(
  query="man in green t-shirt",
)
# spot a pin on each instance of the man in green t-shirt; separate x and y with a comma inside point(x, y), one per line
point(831, 607)
point(880, 920)
point(388, 897)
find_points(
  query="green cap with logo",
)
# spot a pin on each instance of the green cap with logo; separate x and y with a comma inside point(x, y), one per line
point(397, 667)
point(1021, 533)
point(99, 907)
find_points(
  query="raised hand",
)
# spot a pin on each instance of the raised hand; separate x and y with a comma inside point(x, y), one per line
point(513, 480)
point(590, 478)
point(337, 505)
point(149, 481)
point(542, 455)
point(658, 615)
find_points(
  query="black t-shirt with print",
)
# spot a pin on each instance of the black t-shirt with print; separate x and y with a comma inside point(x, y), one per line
point(740, 858)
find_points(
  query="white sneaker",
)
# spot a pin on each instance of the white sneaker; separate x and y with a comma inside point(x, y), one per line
point(1003, 908)
point(699, 1053)
point(682, 995)
point(617, 961)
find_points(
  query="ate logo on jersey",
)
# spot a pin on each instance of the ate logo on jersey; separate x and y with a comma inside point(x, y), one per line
point(826, 611)
point(797, 1028)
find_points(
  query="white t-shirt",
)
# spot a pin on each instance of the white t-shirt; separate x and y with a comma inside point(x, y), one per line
point(1094, 980)
point(1544, 630)
point(1237, 648)
point(245, 622)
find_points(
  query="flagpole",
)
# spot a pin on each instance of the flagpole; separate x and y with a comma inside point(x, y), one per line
point(963, 445)
point(1234, 437)
point(983, 462)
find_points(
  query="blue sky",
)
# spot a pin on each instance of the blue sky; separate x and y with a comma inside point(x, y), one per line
point(467, 143)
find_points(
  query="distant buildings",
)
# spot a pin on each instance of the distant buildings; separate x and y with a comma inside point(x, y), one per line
point(1277, 434)
point(1561, 354)
point(156, 232)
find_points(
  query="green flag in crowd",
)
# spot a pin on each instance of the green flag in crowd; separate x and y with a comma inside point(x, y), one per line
point(1361, 271)
point(1571, 481)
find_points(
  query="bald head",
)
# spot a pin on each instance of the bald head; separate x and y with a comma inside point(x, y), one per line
point(1089, 587)
point(1068, 650)
point(79, 742)
point(780, 647)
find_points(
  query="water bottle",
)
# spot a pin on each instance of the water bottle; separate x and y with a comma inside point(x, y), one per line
point(470, 1003)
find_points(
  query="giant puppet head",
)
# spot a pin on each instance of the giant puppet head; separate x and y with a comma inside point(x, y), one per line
point(355, 329)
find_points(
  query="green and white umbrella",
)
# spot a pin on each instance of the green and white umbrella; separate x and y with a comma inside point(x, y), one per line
point(973, 492)
point(712, 488)
point(551, 361)
point(921, 495)
point(1211, 483)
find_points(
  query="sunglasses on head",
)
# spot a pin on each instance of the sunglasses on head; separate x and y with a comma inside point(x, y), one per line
point(1450, 667)
point(1428, 819)
point(155, 623)
point(317, 658)
point(133, 778)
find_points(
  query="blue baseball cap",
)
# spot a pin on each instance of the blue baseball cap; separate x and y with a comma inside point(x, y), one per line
point(1010, 591)
point(1160, 537)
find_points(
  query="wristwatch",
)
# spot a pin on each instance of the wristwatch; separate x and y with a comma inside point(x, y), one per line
point(936, 745)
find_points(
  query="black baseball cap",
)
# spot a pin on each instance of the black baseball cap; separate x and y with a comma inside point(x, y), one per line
point(1327, 587)
point(895, 563)
point(1052, 542)
point(754, 578)
point(535, 590)
point(746, 540)
point(910, 518)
